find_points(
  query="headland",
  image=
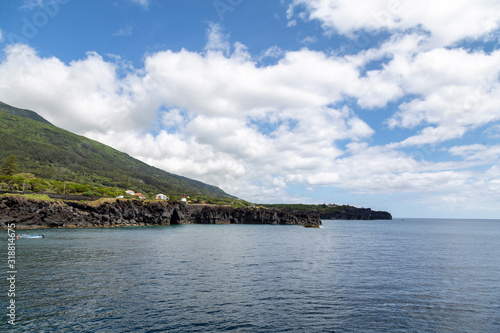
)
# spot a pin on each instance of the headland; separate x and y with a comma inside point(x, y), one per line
point(29, 213)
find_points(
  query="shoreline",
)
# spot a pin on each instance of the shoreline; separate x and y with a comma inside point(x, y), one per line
point(33, 214)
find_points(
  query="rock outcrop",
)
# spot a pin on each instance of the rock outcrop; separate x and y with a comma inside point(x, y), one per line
point(28, 213)
point(218, 214)
point(334, 212)
point(353, 213)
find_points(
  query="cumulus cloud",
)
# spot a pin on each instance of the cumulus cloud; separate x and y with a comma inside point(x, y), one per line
point(457, 91)
point(486, 154)
point(227, 118)
point(277, 116)
point(279, 124)
point(81, 96)
point(447, 21)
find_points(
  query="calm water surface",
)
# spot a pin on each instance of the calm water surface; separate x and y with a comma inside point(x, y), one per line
point(417, 275)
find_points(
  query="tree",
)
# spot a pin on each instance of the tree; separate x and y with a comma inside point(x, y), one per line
point(9, 166)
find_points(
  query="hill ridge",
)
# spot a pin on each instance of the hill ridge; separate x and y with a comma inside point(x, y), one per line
point(54, 153)
point(23, 113)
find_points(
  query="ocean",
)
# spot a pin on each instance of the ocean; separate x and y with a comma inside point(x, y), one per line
point(411, 275)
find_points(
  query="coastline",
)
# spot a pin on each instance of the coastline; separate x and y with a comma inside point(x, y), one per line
point(36, 214)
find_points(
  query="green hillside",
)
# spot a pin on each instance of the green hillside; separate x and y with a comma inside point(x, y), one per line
point(53, 153)
point(23, 113)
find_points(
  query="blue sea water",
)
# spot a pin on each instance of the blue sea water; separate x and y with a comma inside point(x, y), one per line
point(416, 275)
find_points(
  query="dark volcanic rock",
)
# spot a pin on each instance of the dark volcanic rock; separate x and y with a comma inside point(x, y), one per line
point(27, 213)
point(378, 215)
point(219, 214)
point(353, 213)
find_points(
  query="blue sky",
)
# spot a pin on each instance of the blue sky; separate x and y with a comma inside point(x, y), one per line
point(388, 104)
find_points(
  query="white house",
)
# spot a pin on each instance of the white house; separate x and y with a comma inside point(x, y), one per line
point(130, 192)
point(161, 197)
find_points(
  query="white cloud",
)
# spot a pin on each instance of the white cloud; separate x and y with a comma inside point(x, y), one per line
point(433, 135)
point(217, 41)
point(1, 36)
point(486, 154)
point(47, 5)
point(30, 4)
point(272, 52)
point(309, 40)
point(224, 117)
point(142, 3)
point(493, 131)
point(124, 31)
point(479, 194)
point(297, 80)
point(456, 91)
point(84, 95)
point(449, 90)
point(448, 21)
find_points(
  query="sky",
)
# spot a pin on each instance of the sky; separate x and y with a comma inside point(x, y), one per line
point(387, 104)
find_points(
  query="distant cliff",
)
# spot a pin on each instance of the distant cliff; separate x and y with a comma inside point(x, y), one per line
point(334, 212)
point(356, 214)
point(29, 213)
point(217, 214)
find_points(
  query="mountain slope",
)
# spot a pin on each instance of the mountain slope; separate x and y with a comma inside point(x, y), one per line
point(51, 152)
point(23, 113)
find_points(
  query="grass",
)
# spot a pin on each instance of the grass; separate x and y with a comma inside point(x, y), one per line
point(51, 159)
point(98, 202)
point(32, 196)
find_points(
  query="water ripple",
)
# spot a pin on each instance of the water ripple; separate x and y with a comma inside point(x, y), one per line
point(351, 276)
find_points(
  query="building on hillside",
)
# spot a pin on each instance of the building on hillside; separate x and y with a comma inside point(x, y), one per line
point(162, 197)
point(130, 192)
point(140, 196)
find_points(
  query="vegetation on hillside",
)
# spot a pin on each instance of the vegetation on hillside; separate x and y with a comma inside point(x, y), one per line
point(9, 166)
point(32, 196)
point(27, 182)
point(206, 200)
point(38, 188)
point(323, 208)
point(67, 159)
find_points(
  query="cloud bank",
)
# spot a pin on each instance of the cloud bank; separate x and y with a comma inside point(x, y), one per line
point(221, 116)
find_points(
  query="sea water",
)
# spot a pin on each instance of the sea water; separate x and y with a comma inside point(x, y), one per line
point(412, 275)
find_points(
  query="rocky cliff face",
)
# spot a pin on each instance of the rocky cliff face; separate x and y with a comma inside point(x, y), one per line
point(27, 213)
point(356, 214)
point(216, 214)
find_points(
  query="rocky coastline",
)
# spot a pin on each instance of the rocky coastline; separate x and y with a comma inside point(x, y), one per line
point(356, 214)
point(29, 214)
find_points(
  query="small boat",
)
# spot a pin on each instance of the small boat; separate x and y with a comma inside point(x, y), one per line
point(30, 236)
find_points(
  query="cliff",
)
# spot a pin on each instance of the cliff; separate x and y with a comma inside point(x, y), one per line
point(217, 214)
point(28, 213)
point(334, 212)
point(356, 214)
